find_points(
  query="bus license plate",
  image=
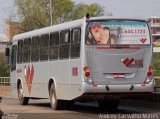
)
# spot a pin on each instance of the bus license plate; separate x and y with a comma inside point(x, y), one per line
point(118, 75)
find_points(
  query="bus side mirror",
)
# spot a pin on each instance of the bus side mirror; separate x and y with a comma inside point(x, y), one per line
point(7, 51)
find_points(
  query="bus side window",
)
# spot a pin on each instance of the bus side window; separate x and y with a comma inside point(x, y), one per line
point(54, 46)
point(35, 49)
point(13, 57)
point(20, 51)
point(75, 44)
point(26, 50)
point(64, 44)
point(44, 42)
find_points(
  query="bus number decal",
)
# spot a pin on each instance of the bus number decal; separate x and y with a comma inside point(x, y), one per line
point(19, 70)
point(75, 71)
point(133, 63)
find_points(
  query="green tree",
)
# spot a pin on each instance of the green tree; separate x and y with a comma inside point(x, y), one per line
point(156, 61)
point(81, 9)
point(35, 14)
point(4, 67)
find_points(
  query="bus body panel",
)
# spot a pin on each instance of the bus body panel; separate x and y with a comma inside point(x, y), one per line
point(104, 63)
point(67, 76)
point(13, 75)
point(13, 81)
point(39, 81)
point(21, 77)
point(118, 89)
point(44, 70)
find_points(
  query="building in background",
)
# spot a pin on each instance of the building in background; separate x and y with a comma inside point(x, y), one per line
point(155, 30)
point(3, 43)
point(11, 29)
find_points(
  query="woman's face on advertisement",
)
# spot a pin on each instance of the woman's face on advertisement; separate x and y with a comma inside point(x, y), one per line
point(101, 35)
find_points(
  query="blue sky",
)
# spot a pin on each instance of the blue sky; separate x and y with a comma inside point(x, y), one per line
point(120, 8)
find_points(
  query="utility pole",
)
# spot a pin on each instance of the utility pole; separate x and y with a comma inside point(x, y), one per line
point(51, 12)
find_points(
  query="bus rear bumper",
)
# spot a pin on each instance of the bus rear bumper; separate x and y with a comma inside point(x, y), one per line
point(127, 88)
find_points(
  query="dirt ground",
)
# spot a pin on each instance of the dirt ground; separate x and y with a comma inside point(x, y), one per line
point(5, 91)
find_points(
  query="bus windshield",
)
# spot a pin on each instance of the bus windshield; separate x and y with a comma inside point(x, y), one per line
point(117, 32)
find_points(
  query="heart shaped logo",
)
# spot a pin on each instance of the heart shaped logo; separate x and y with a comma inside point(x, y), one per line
point(29, 77)
point(128, 61)
point(143, 40)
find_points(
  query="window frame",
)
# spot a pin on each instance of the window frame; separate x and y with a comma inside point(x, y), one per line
point(64, 46)
point(55, 45)
point(26, 50)
point(75, 43)
point(20, 52)
point(44, 48)
point(36, 48)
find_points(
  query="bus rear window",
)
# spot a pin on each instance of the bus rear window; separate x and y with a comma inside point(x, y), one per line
point(114, 32)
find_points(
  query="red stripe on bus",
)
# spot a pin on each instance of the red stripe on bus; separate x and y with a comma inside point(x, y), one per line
point(126, 61)
point(103, 48)
point(130, 62)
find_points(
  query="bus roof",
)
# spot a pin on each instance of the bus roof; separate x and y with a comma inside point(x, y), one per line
point(49, 29)
point(116, 18)
point(71, 24)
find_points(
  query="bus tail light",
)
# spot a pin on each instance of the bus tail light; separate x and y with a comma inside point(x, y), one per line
point(149, 75)
point(86, 69)
point(150, 68)
point(88, 75)
point(89, 81)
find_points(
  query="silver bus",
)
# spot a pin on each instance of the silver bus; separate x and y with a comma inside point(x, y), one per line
point(91, 59)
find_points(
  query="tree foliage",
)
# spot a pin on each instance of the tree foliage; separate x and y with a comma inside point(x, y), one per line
point(156, 62)
point(4, 67)
point(35, 14)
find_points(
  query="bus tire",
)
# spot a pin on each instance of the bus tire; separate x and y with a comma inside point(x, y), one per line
point(22, 100)
point(108, 104)
point(55, 103)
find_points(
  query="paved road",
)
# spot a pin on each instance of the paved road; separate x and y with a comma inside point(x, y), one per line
point(40, 109)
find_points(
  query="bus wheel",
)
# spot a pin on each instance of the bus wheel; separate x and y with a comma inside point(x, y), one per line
point(55, 103)
point(108, 104)
point(22, 100)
